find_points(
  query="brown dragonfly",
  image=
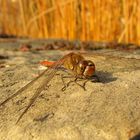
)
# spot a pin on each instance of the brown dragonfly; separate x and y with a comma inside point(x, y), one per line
point(73, 62)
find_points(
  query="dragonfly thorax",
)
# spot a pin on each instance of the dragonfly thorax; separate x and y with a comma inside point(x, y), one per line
point(79, 66)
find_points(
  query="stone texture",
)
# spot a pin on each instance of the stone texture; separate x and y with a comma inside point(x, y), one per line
point(107, 110)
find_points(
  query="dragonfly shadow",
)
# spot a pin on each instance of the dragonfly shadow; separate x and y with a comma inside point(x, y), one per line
point(105, 77)
point(137, 137)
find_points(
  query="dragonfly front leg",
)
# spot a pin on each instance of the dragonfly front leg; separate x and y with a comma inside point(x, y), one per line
point(71, 81)
point(95, 78)
point(83, 85)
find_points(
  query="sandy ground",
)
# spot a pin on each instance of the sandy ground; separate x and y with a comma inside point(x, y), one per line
point(107, 110)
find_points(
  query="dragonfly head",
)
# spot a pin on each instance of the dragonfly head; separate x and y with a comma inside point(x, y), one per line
point(87, 68)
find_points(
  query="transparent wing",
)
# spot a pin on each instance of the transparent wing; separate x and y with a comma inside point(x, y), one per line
point(22, 89)
point(39, 82)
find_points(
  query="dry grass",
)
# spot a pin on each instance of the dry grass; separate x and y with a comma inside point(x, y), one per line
point(107, 20)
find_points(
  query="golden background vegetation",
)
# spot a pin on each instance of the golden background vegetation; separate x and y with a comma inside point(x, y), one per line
point(96, 20)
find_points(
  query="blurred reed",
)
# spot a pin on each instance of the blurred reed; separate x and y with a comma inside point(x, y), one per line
point(96, 20)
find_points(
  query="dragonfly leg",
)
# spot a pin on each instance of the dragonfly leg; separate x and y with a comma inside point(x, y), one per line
point(75, 81)
point(64, 84)
point(83, 85)
point(95, 78)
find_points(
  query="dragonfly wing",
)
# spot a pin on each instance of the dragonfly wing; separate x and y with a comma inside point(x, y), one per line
point(22, 89)
point(39, 82)
point(44, 83)
point(49, 74)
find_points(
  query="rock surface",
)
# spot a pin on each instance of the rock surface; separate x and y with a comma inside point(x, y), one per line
point(107, 110)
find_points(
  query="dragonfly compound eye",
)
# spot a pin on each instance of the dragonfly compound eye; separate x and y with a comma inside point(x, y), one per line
point(90, 69)
point(90, 63)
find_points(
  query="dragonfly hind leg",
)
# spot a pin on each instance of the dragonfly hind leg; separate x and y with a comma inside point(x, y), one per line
point(64, 84)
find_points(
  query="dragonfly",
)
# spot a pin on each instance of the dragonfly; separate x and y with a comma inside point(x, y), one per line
point(73, 62)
